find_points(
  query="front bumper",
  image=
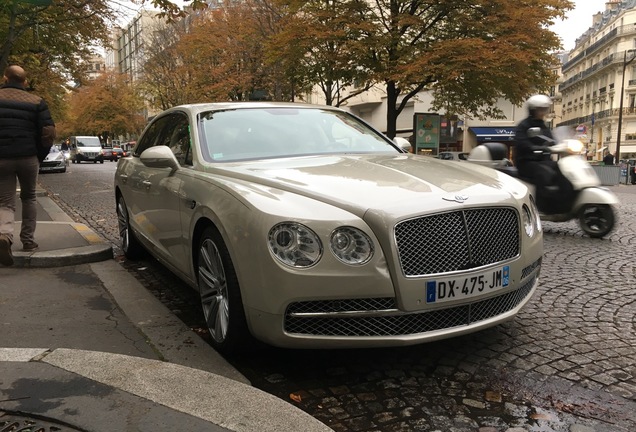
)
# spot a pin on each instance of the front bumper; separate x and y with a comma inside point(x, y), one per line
point(378, 322)
point(89, 157)
point(53, 166)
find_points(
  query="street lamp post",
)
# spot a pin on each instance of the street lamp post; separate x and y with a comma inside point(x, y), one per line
point(617, 156)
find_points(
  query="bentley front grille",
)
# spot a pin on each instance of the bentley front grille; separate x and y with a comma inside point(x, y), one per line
point(459, 240)
point(380, 317)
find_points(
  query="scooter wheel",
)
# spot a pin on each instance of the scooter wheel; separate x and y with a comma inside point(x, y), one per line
point(597, 220)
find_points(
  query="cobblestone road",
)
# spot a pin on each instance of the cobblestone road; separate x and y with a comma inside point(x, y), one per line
point(567, 363)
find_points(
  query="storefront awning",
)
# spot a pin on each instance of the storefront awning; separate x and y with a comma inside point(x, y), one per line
point(485, 134)
point(628, 149)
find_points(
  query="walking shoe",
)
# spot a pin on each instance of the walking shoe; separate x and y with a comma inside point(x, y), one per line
point(6, 257)
point(30, 246)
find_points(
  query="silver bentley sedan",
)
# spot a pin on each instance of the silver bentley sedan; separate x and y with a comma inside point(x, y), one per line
point(304, 227)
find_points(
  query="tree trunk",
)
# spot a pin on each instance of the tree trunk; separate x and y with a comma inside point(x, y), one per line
point(392, 93)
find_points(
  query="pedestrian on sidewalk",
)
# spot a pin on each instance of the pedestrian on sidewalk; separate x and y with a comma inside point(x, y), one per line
point(27, 132)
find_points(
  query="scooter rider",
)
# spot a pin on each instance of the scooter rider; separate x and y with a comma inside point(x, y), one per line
point(533, 162)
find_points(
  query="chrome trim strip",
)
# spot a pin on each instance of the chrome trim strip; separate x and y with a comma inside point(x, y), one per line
point(376, 313)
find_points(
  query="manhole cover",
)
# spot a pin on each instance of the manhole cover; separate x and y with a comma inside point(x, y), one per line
point(19, 423)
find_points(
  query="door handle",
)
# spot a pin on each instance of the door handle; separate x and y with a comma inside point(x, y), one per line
point(123, 178)
point(146, 183)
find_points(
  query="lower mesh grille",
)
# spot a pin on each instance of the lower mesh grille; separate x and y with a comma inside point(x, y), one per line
point(396, 324)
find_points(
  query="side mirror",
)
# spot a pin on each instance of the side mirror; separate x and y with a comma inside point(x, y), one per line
point(159, 157)
point(402, 143)
point(534, 132)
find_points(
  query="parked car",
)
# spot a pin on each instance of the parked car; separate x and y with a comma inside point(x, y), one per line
point(85, 148)
point(55, 161)
point(302, 226)
point(452, 155)
point(109, 154)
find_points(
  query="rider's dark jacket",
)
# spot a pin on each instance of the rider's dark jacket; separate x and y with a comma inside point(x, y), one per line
point(526, 146)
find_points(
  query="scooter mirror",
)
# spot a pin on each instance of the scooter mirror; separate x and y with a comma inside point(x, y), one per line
point(534, 132)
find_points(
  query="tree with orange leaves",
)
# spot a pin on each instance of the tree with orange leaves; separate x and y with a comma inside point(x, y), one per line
point(469, 53)
point(109, 103)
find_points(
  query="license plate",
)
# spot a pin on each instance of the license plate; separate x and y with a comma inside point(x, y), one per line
point(444, 290)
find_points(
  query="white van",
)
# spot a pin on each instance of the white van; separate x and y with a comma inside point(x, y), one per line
point(86, 149)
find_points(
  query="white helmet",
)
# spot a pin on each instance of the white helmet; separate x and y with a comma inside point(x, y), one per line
point(539, 101)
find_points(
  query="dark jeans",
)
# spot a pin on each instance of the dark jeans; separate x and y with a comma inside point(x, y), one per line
point(24, 170)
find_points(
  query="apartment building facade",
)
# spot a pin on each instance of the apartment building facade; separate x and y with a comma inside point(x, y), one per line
point(599, 82)
point(95, 66)
point(128, 51)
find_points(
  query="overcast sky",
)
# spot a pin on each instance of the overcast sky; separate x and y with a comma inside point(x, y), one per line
point(577, 21)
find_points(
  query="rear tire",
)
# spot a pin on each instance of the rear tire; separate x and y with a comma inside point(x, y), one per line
point(129, 243)
point(597, 220)
point(221, 295)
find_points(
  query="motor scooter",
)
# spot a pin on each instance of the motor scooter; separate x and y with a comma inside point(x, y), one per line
point(592, 205)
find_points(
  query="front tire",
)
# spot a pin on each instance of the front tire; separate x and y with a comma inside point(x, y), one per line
point(129, 243)
point(597, 220)
point(220, 294)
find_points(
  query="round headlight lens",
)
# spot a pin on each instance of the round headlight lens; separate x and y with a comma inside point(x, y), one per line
point(294, 245)
point(351, 246)
point(528, 221)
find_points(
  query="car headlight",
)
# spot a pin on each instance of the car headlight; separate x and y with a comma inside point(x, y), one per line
point(528, 221)
point(535, 212)
point(295, 245)
point(351, 246)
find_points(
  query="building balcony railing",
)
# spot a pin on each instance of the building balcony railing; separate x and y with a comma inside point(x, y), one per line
point(618, 31)
point(597, 67)
point(598, 116)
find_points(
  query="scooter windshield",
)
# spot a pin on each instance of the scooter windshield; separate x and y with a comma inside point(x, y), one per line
point(561, 133)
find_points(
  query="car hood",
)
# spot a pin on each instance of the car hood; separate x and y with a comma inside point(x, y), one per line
point(388, 182)
point(54, 156)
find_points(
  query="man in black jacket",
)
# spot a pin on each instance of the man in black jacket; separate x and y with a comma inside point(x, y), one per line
point(27, 132)
point(533, 161)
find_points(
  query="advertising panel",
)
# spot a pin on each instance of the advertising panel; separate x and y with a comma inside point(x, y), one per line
point(426, 128)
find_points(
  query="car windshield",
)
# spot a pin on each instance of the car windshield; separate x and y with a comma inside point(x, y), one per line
point(263, 133)
point(88, 142)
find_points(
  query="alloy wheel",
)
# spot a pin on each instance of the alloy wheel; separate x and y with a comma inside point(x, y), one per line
point(122, 219)
point(213, 290)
